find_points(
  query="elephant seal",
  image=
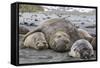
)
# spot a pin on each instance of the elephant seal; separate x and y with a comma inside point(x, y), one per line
point(23, 30)
point(81, 49)
point(93, 42)
point(85, 35)
point(59, 33)
point(36, 41)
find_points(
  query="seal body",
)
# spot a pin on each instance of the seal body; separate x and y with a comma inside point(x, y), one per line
point(85, 35)
point(93, 42)
point(81, 49)
point(58, 33)
point(36, 41)
point(23, 30)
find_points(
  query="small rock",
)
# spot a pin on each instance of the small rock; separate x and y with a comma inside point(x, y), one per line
point(83, 23)
point(32, 24)
point(91, 26)
point(48, 17)
point(25, 23)
point(36, 19)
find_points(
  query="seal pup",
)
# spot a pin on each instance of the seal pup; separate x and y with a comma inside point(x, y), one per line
point(81, 49)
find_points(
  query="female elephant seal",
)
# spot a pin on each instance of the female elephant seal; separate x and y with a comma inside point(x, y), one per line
point(36, 41)
point(81, 49)
point(59, 33)
point(85, 35)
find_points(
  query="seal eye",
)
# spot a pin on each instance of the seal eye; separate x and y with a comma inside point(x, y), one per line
point(59, 36)
point(44, 42)
point(37, 43)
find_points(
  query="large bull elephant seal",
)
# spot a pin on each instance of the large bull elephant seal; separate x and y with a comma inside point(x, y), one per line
point(60, 33)
point(81, 49)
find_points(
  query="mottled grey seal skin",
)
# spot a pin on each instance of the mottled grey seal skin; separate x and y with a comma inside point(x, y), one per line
point(37, 41)
point(23, 30)
point(60, 29)
point(81, 49)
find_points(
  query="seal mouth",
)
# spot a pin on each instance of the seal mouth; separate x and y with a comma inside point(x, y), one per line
point(42, 45)
point(60, 46)
point(85, 55)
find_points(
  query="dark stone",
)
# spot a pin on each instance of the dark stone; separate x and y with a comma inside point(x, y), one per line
point(83, 23)
point(36, 19)
point(48, 17)
point(25, 23)
point(32, 24)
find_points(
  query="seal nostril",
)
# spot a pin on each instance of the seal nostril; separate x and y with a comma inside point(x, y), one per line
point(66, 41)
point(85, 57)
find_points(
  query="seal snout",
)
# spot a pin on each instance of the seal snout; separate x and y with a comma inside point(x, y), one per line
point(61, 45)
point(61, 41)
point(42, 45)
